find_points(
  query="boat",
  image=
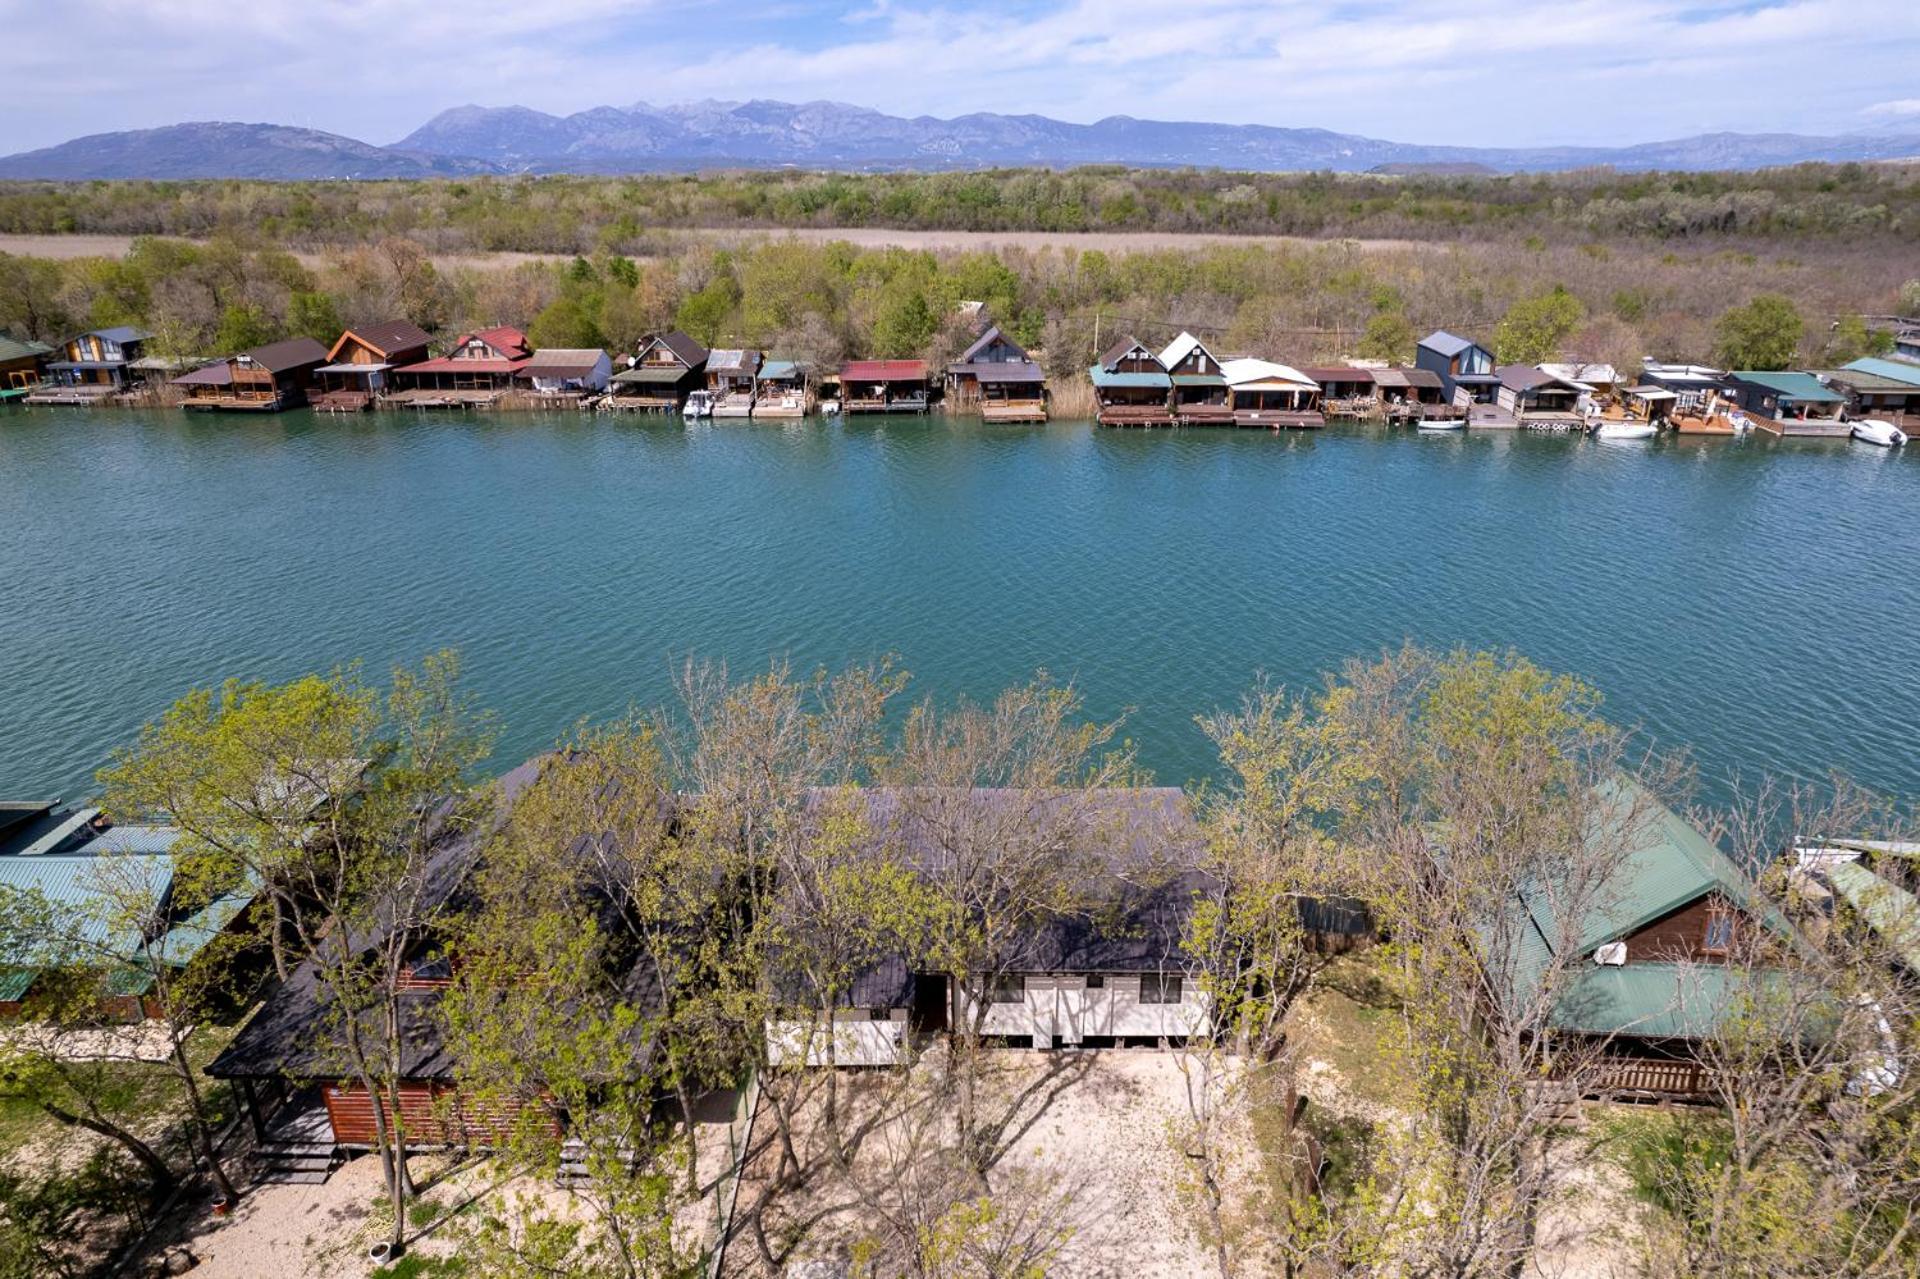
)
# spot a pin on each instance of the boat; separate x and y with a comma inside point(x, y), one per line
point(1625, 431)
point(1442, 424)
point(1873, 430)
point(699, 404)
point(830, 407)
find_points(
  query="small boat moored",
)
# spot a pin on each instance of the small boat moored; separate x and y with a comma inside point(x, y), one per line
point(699, 405)
point(1625, 430)
point(1875, 431)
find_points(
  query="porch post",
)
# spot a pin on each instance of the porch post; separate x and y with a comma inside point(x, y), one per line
point(253, 1110)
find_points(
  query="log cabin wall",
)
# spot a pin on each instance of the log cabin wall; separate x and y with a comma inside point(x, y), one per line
point(1682, 934)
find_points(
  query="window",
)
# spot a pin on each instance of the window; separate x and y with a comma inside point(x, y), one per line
point(1008, 990)
point(1719, 939)
point(1096, 981)
point(1159, 988)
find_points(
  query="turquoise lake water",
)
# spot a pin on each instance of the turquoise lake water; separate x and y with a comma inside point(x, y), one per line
point(1753, 601)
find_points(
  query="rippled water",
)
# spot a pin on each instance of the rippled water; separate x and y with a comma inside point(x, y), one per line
point(1754, 601)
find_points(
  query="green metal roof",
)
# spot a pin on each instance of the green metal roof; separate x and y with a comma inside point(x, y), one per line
point(1860, 380)
point(12, 348)
point(74, 884)
point(15, 982)
point(1129, 381)
point(652, 377)
point(1890, 910)
point(1198, 379)
point(1804, 387)
point(1657, 1001)
point(1898, 370)
point(779, 370)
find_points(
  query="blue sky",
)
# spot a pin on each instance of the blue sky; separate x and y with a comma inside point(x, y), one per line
point(1476, 72)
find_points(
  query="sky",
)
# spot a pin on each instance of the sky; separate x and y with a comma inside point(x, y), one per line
point(1469, 72)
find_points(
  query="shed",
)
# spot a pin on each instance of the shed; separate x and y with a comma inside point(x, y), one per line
point(884, 386)
point(567, 373)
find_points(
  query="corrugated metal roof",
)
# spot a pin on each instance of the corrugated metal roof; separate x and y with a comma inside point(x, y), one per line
point(75, 883)
point(1860, 380)
point(779, 370)
point(651, 377)
point(1890, 910)
point(1898, 370)
point(732, 361)
point(1135, 381)
point(1006, 372)
point(1198, 379)
point(1245, 372)
point(1653, 1000)
point(1803, 387)
point(884, 371)
point(1447, 344)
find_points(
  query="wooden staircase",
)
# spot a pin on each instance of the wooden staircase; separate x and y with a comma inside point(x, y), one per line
point(299, 1150)
point(573, 1169)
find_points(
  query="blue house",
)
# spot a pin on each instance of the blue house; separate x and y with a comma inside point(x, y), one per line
point(1465, 368)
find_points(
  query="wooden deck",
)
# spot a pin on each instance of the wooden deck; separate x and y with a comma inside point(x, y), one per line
point(342, 402)
point(1281, 419)
point(1694, 424)
point(241, 403)
point(1354, 407)
point(1135, 415)
point(72, 396)
point(430, 398)
point(1820, 428)
point(1205, 415)
point(885, 404)
point(1013, 410)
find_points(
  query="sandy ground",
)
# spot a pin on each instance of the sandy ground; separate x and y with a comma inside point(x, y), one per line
point(1100, 1131)
point(113, 246)
point(324, 1231)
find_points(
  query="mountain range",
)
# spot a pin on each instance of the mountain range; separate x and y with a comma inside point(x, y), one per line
point(831, 135)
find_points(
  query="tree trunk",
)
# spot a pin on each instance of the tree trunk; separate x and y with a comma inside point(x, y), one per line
point(201, 1130)
point(162, 1176)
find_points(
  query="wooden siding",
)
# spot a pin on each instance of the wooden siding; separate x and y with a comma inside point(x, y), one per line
point(1681, 934)
point(435, 1115)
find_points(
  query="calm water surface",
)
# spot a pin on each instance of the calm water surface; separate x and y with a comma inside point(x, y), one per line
point(1753, 601)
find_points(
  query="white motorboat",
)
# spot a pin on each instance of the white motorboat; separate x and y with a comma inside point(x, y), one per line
point(1625, 431)
point(1442, 424)
point(1873, 430)
point(830, 407)
point(699, 404)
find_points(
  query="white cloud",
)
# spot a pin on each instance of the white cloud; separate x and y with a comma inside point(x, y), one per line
point(1474, 72)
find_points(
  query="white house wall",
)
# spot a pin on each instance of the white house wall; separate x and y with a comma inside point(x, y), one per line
point(855, 1040)
point(1064, 1007)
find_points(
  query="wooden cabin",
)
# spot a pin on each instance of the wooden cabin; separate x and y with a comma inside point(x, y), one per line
point(997, 378)
point(92, 366)
point(1601, 380)
point(1464, 367)
point(562, 377)
point(1346, 390)
point(1885, 389)
point(265, 379)
point(1539, 401)
point(1788, 403)
point(1412, 395)
point(782, 389)
point(1132, 387)
point(1200, 394)
point(1272, 395)
point(1693, 385)
point(666, 369)
point(359, 367)
point(884, 386)
point(20, 365)
point(477, 372)
point(1646, 968)
point(731, 378)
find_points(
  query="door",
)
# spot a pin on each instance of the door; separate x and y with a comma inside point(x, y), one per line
point(1071, 1009)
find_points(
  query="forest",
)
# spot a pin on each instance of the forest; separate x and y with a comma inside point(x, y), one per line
point(589, 215)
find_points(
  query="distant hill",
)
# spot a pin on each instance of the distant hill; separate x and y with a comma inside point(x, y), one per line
point(226, 150)
point(831, 135)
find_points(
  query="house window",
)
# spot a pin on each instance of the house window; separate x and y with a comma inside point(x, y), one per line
point(1096, 981)
point(1159, 988)
point(1008, 990)
point(1719, 938)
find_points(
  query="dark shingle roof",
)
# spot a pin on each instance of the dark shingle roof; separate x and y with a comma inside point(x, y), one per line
point(390, 337)
point(279, 357)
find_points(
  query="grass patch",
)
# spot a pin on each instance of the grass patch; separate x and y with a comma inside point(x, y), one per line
point(1352, 1021)
point(414, 1266)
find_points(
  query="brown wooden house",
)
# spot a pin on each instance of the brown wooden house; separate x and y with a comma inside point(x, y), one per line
point(996, 378)
point(359, 368)
point(1646, 975)
point(1200, 393)
point(660, 375)
point(478, 371)
point(20, 365)
point(265, 379)
point(1131, 386)
point(884, 386)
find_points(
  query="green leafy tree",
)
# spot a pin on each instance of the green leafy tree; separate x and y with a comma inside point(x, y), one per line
point(243, 325)
point(312, 314)
point(705, 313)
point(1851, 339)
point(905, 323)
point(1534, 328)
point(566, 322)
point(1388, 336)
point(1764, 334)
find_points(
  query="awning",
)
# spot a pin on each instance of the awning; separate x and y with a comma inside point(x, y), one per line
point(1651, 393)
point(1129, 381)
point(353, 368)
point(1198, 379)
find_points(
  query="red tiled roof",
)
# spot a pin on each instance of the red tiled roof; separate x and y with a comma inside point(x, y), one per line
point(446, 365)
point(884, 371)
point(506, 339)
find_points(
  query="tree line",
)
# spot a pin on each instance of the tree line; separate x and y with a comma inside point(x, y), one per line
point(719, 848)
point(822, 303)
point(1879, 203)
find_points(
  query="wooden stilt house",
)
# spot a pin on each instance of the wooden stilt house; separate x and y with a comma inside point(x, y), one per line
point(998, 379)
point(265, 379)
point(1200, 393)
point(359, 368)
point(884, 386)
point(1131, 386)
point(666, 369)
